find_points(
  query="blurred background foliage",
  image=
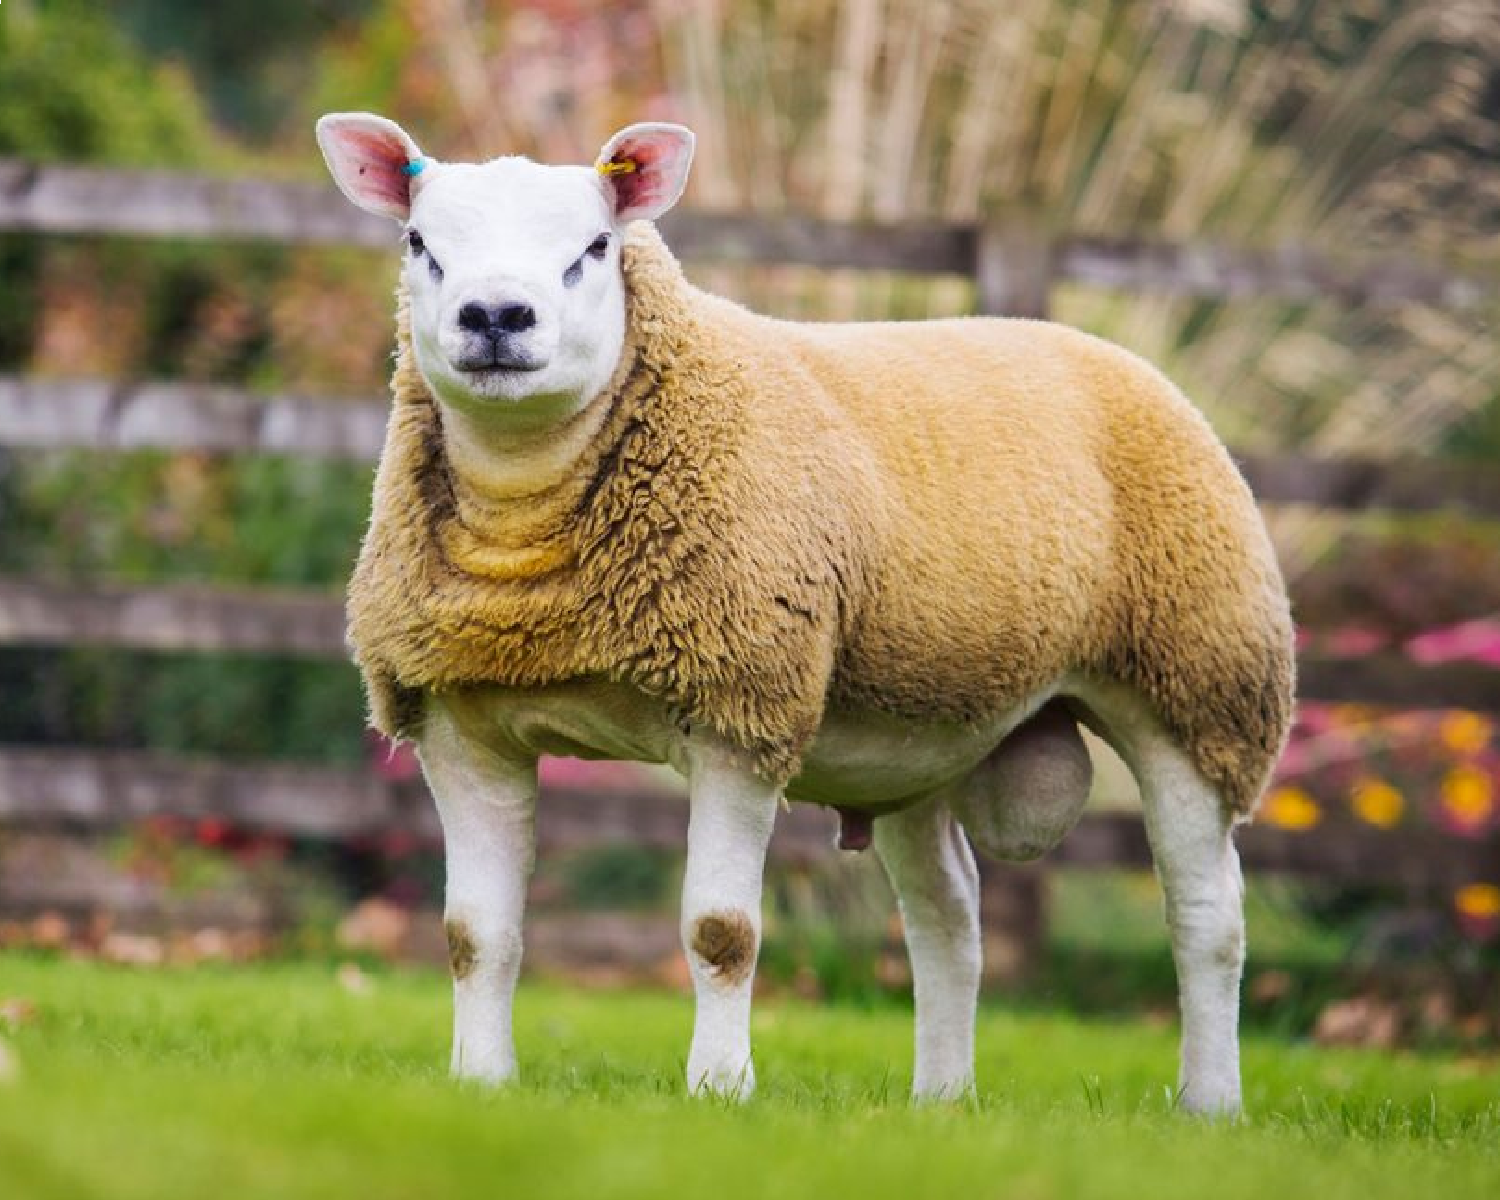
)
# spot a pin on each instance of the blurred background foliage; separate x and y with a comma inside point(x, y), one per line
point(1366, 128)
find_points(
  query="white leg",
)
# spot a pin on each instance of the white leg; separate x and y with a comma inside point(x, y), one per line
point(932, 871)
point(487, 805)
point(1191, 840)
point(733, 811)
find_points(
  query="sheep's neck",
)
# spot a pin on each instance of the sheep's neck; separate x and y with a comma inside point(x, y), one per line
point(515, 494)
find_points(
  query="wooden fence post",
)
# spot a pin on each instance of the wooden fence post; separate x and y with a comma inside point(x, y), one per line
point(1013, 266)
point(1013, 914)
point(1013, 270)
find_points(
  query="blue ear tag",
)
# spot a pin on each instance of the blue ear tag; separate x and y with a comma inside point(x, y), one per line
point(415, 167)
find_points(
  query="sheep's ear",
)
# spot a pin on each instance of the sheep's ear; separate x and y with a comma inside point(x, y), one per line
point(374, 161)
point(646, 168)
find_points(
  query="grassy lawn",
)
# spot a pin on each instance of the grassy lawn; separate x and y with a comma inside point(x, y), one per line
point(276, 1081)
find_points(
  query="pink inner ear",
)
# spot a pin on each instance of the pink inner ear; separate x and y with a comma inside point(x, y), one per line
point(375, 163)
point(650, 183)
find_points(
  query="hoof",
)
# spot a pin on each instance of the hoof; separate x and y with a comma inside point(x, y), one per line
point(951, 1091)
point(482, 1070)
point(1221, 1104)
point(725, 1083)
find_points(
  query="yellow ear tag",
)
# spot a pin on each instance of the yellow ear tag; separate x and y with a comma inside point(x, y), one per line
point(626, 166)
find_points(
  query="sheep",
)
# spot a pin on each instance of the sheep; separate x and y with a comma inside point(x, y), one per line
point(888, 568)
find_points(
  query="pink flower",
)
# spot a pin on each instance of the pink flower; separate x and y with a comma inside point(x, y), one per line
point(1354, 642)
point(1469, 641)
point(1314, 719)
point(1293, 761)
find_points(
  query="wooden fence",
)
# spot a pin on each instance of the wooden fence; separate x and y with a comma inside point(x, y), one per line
point(1014, 263)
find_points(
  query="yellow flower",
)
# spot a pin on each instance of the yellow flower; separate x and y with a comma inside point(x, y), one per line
point(1468, 795)
point(1377, 803)
point(1481, 900)
point(1465, 732)
point(1291, 808)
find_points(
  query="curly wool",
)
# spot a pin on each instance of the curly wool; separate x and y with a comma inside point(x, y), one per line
point(933, 520)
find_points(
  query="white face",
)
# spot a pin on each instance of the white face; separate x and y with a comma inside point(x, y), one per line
point(513, 268)
point(517, 300)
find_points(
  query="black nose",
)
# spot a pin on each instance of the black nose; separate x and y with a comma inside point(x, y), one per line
point(496, 318)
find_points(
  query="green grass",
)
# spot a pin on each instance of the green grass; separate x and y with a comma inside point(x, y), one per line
point(275, 1081)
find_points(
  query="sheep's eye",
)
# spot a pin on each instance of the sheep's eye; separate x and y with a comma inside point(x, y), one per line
point(419, 248)
point(596, 251)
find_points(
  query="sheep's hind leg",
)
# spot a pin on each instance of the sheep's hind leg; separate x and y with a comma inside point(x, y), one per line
point(732, 812)
point(1192, 842)
point(932, 871)
point(487, 806)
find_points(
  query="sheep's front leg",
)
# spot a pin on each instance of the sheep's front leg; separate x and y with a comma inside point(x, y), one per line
point(732, 813)
point(932, 870)
point(487, 804)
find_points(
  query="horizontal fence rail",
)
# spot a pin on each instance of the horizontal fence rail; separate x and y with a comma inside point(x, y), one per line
point(172, 618)
point(64, 199)
point(109, 415)
point(1393, 485)
point(98, 790)
point(105, 414)
point(302, 625)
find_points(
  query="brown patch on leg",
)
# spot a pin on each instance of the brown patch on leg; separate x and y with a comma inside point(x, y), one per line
point(726, 942)
point(462, 952)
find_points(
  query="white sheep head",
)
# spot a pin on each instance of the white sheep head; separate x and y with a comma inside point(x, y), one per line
point(513, 268)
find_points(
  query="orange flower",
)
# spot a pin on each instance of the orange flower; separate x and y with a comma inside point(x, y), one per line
point(1377, 803)
point(1468, 796)
point(1291, 808)
point(1465, 733)
point(1480, 901)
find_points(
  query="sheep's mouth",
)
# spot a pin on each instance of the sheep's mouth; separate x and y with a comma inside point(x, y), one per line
point(480, 370)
